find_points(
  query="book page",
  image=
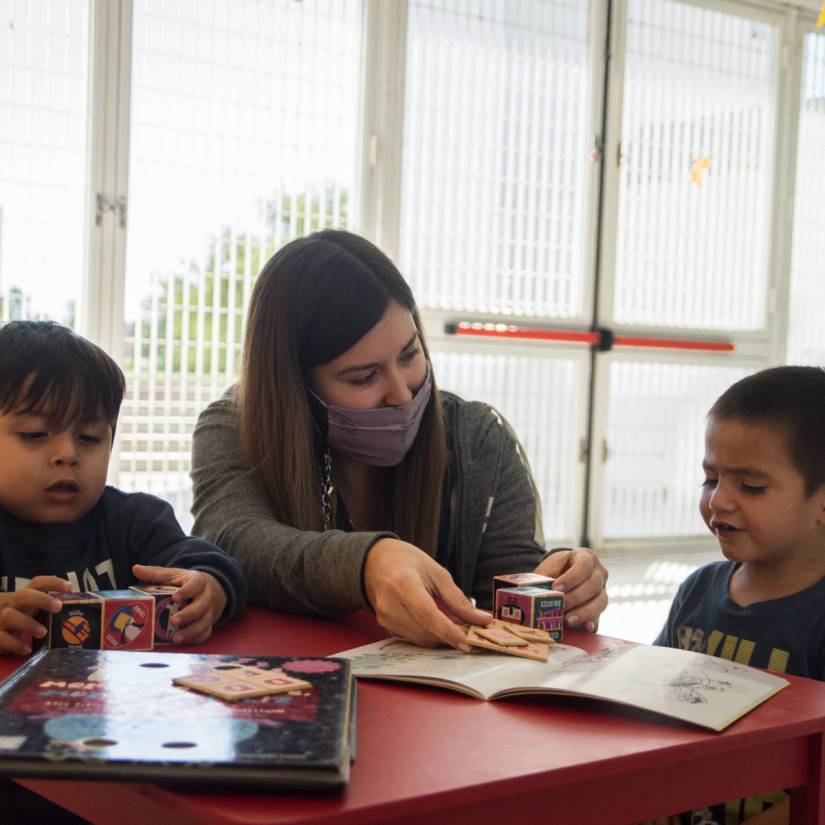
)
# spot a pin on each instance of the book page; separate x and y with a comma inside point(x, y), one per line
point(479, 674)
point(695, 687)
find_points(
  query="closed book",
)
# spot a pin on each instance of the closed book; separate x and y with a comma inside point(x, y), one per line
point(116, 715)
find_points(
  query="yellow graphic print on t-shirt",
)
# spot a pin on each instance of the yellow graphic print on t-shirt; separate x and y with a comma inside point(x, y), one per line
point(733, 648)
point(743, 809)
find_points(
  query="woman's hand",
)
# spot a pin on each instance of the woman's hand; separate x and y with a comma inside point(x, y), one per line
point(405, 587)
point(17, 611)
point(200, 598)
point(580, 575)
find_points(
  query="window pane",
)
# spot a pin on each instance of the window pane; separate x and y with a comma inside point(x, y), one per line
point(244, 116)
point(655, 446)
point(538, 396)
point(43, 78)
point(495, 152)
point(696, 168)
point(806, 344)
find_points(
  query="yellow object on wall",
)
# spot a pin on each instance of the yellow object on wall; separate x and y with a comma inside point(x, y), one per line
point(698, 168)
point(821, 21)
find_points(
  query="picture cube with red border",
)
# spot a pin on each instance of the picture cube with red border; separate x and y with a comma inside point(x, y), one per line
point(128, 620)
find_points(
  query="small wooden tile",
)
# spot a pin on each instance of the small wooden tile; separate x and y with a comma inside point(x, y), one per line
point(532, 650)
point(500, 636)
point(227, 682)
point(530, 634)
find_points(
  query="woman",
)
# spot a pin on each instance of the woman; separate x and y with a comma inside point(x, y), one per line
point(341, 478)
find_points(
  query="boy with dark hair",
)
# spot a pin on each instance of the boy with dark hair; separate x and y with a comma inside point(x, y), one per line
point(61, 527)
point(764, 499)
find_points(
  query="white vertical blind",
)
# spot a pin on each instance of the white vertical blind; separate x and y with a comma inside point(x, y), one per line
point(539, 397)
point(43, 77)
point(696, 168)
point(806, 341)
point(244, 127)
point(655, 446)
point(495, 154)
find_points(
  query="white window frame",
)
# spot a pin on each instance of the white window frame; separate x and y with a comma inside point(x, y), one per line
point(101, 310)
point(800, 24)
point(381, 130)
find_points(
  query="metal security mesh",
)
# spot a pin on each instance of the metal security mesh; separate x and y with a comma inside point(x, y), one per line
point(243, 137)
point(538, 396)
point(655, 446)
point(494, 155)
point(43, 79)
point(806, 342)
point(696, 168)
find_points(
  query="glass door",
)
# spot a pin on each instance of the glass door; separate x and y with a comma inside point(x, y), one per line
point(686, 285)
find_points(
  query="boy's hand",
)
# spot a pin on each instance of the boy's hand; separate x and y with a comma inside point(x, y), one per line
point(193, 623)
point(17, 625)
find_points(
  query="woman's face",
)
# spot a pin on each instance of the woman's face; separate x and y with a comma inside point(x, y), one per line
point(385, 368)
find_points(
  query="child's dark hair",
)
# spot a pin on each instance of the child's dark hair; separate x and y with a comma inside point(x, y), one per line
point(791, 398)
point(46, 369)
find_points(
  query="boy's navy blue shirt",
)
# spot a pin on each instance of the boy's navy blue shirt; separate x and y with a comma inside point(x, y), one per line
point(784, 635)
point(97, 551)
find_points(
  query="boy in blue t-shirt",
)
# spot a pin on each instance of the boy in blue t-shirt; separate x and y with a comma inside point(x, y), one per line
point(61, 527)
point(764, 499)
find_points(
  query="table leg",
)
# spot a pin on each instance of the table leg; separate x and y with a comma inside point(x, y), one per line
point(808, 801)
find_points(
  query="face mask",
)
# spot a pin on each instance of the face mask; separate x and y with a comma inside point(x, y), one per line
point(379, 437)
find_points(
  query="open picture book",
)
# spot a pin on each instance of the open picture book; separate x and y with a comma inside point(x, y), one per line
point(693, 687)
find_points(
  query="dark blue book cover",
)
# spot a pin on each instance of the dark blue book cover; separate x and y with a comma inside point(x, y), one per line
point(117, 715)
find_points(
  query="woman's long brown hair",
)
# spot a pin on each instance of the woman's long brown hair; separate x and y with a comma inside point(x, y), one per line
point(314, 299)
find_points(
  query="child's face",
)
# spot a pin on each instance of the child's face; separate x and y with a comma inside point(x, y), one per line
point(49, 477)
point(753, 498)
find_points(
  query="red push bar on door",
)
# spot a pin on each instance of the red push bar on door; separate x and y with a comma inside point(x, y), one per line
point(673, 343)
point(600, 338)
point(487, 330)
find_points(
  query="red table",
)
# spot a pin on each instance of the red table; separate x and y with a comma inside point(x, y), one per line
point(429, 756)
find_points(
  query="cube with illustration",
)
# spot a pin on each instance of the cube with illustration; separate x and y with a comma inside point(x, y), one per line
point(531, 606)
point(106, 620)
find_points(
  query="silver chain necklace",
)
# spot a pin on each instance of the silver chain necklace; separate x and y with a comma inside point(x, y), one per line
point(327, 491)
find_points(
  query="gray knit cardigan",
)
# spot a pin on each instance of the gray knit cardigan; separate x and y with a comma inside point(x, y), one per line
point(494, 515)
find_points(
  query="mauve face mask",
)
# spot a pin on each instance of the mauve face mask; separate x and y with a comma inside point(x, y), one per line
point(379, 437)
